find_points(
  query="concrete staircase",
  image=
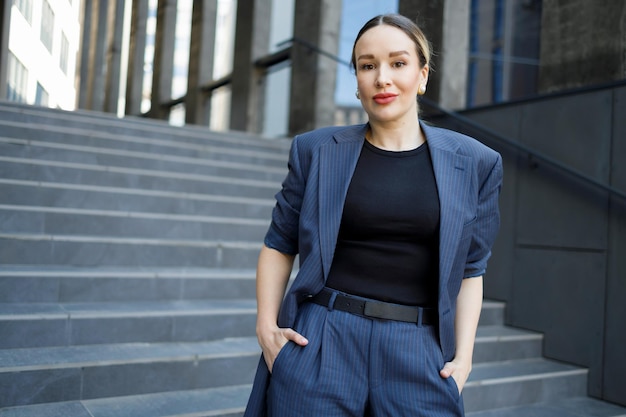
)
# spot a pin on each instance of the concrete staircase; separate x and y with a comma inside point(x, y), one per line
point(127, 254)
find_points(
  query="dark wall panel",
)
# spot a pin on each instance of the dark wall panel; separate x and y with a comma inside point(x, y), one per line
point(615, 331)
point(553, 210)
point(560, 259)
point(499, 278)
point(561, 294)
point(575, 129)
point(553, 213)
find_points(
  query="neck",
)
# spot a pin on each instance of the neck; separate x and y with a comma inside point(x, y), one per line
point(396, 138)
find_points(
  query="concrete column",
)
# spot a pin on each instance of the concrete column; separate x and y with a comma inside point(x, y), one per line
point(446, 25)
point(5, 23)
point(136, 54)
point(201, 50)
point(115, 28)
point(582, 43)
point(252, 33)
point(163, 65)
point(94, 99)
point(313, 76)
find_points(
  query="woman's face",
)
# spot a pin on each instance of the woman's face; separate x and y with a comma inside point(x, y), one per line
point(389, 74)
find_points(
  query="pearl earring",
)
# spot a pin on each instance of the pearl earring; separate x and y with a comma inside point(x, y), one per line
point(422, 90)
point(357, 94)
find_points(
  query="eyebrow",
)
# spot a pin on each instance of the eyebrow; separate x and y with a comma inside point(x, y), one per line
point(391, 54)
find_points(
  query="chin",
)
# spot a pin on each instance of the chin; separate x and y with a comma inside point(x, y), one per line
point(384, 118)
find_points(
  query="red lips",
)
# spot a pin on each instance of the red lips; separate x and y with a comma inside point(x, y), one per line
point(384, 98)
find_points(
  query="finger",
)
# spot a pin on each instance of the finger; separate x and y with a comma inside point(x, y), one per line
point(447, 370)
point(295, 337)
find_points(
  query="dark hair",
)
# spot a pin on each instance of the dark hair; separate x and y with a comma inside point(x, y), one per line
point(404, 24)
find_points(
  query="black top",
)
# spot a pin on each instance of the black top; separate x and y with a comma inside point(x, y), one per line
point(388, 242)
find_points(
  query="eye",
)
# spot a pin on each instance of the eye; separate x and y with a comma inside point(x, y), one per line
point(399, 64)
point(366, 67)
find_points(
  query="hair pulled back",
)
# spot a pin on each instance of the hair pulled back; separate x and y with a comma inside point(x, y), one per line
point(406, 25)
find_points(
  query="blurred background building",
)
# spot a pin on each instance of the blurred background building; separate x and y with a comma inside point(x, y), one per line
point(42, 47)
point(99, 54)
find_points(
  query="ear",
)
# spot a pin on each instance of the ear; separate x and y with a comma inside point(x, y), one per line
point(424, 73)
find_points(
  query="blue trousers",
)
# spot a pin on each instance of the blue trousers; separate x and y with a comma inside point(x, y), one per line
point(357, 366)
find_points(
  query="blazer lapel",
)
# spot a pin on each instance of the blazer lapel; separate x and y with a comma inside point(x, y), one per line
point(337, 163)
point(453, 176)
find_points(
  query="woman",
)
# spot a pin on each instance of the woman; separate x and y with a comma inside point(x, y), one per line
point(393, 222)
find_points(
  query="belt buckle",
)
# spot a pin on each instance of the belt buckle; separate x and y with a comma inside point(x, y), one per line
point(377, 310)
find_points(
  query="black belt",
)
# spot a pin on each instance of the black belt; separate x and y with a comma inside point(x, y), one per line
point(375, 309)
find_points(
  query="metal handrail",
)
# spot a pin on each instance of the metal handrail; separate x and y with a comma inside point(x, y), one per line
point(316, 49)
point(532, 154)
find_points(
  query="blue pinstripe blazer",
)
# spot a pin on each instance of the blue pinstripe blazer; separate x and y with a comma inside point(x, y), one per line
point(309, 207)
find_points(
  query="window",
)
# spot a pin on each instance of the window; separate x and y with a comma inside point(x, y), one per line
point(47, 25)
point(504, 45)
point(42, 97)
point(26, 8)
point(17, 79)
point(63, 57)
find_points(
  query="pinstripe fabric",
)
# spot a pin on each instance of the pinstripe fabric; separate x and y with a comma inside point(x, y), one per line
point(309, 208)
point(355, 366)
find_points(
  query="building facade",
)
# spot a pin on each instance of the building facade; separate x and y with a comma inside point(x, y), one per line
point(485, 52)
point(41, 52)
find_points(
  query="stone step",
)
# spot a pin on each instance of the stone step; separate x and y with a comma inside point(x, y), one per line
point(129, 224)
point(239, 164)
point(32, 376)
point(494, 385)
point(107, 251)
point(91, 174)
point(26, 325)
point(101, 123)
point(211, 402)
point(61, 137)
point(71, 303)
point(77, 196)
point(539, 381)
point(569, 407)
point(496, 342)
point(492, 313)
point(61, 284)
point(61, 324)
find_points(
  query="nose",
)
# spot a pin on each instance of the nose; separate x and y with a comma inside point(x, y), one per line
point(382, 78)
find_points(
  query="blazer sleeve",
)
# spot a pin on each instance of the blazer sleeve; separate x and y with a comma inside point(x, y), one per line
point(487, 221)
point(283, 231)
